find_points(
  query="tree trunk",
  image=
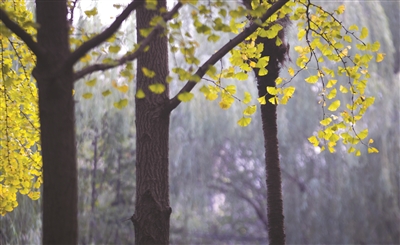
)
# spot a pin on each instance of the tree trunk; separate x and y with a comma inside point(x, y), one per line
point(276, 232)
point(56, 111)
point(152, 210)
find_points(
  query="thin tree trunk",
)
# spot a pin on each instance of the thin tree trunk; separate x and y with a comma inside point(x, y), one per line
point(56, 111)
point(152, 210)
point(276, 231)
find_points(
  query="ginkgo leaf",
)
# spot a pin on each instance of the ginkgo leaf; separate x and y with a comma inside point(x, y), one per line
point(250, 110)
point(272, 90)
point(114, 49)
point(231, 89)
point(380, 57)
point(92, 12)
point(121, 104)
point(148, 73)
point(262, 100)
point(87, 95)
point(313, 140)
point(372, 150)
point(157, 88)
point(326, 121)
point(91, 82)
point(140, 94)
point(244, 121)
point(185, 96)
point(124, 88)
point(106, 93)
point(312, 79)
point(247, 97)
point(363, 134)
point(334, 106)
point(364, 33)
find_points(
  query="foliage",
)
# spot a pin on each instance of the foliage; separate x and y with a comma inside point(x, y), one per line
point(327, 42)
point(20, 159)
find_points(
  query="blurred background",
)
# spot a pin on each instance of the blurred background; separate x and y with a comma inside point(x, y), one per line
point(217, 177)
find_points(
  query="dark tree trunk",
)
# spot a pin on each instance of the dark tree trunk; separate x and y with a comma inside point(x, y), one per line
point(276, 232)
point(56, 111)
point(152, 210)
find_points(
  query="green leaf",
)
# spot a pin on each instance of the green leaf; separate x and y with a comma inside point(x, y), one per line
point(244, 121)
point(157, 88)
point(121, 104)
point(185, 96)
point(87, 95)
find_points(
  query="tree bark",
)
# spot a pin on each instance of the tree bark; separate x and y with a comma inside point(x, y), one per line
point(152, 210)
point(56, 111)
point(277, 55)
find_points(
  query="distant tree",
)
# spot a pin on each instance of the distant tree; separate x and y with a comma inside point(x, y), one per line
point(55, 78)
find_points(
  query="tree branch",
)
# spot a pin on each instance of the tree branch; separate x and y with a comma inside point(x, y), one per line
point(21, 33)
point(174, 102)
point(107, 33)
point(135, 54)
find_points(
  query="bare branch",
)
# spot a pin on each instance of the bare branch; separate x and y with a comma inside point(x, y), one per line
point(147, 41)
point(174, 102)
point(21, 33)
point(107, 33)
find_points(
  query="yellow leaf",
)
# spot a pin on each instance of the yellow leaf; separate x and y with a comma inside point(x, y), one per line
point(121, 104)
point(91, 83)
point(313, 140)
point(363, 134)
point(106, 93)
point(291, 71)
point(372, 150)
point(148, 73)
point(87, 95)
point(231, 89)
point(250, 110)
point(140, 94)
point(185, 96)
point(244, 121)
point(380, 57)
point(247, 97)
point(157, 88)
point(272, 90)
point(334, 106)
point(124, 88)
point(364, 33)
point(312, 79)
point(262, 100)
point(326, 121)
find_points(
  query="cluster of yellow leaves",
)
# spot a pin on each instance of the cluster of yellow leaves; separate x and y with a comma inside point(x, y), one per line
point(20, 159)
point(327, 38)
